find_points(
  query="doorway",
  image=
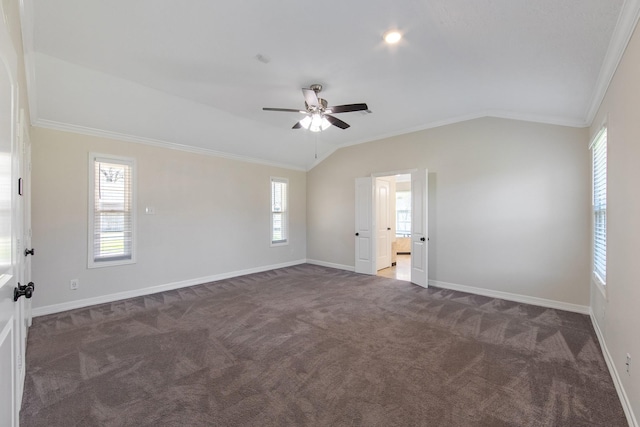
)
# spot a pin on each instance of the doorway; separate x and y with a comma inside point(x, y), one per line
point(368, 228)
point(393, 219)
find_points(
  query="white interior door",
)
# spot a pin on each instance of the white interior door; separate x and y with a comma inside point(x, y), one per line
point(365, 244)
point(419, 227)
point(383, 224)
point(11, 313)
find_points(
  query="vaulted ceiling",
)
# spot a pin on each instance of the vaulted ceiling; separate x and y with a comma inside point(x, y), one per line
point(196, 74)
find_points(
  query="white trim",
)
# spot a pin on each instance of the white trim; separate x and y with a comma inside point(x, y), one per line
point(393, 173)
point(331, 265)
point(622, 33)
point(603, 127)
point(541, 302)
point(65, 127)
point(622, 394)
point(57, 308)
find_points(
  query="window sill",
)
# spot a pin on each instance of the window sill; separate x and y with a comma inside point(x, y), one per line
point(111, 263)
point(273, 245)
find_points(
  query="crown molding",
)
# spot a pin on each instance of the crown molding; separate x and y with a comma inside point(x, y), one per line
point(83, 130)
point(627, 21)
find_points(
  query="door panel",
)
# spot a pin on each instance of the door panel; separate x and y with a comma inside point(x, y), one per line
point(365, 245)
point(383, 225)
point(419, 227)
point(11, 159)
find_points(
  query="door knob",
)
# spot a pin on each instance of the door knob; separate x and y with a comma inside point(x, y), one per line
point(388, 228)
point(29, 252)
point(357, 234)
point(23, 290)
point(422, 239)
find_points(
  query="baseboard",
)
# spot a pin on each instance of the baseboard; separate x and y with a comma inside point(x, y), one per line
point(542, 302)
point(331, 265)
point(57, 308)
point(617, 382)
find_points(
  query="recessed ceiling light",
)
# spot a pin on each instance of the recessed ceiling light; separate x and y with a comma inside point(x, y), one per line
point(392, 36)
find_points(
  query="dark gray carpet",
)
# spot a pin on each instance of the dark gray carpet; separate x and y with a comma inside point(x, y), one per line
point(313, 346)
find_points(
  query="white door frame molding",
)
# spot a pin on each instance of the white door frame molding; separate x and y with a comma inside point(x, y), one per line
point(370, 240)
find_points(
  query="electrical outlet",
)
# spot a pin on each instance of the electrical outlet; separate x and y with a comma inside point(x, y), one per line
point(628, 364)
point(73, 284)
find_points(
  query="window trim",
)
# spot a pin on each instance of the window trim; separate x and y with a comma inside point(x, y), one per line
point(285, 241)
point(91, 263)
point(600, 282)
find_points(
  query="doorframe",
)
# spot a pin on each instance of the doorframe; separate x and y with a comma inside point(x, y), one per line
point(374, 236)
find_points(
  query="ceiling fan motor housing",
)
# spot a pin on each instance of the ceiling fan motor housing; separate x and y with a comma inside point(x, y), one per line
point(322, 105)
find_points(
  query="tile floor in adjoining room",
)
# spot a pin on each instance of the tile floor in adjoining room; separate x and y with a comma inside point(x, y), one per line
point(401, 271)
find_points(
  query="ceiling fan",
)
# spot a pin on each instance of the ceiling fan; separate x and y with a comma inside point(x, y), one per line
point(318, 114)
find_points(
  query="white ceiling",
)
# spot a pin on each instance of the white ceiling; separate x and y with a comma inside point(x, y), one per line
point(185, 73)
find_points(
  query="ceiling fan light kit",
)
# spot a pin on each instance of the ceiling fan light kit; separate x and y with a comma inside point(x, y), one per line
point(317, 113)
point(315, 123)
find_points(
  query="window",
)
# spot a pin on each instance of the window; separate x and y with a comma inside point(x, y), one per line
point(599, 154)
point(279, 211)
point(403, 213)
point(111, 210)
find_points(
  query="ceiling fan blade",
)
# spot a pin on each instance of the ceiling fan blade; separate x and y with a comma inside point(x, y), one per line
point(347, 108)
point(287, 110)
point(310, 97)
point(297, 126)
point(336, 122)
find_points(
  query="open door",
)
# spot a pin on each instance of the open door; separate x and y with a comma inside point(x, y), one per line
point(12, 312)
point(419, 228)
point(365, 244)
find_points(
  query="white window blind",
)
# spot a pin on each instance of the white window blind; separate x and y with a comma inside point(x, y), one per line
point(111, 232)
point(403, 213)
point(279, 211)
point(599, 152)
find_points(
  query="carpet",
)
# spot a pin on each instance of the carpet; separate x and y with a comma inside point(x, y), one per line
point(315, 346)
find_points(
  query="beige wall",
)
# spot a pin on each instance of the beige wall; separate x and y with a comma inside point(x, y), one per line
point(618, 314)
point(212, 217)
point(508, 204)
